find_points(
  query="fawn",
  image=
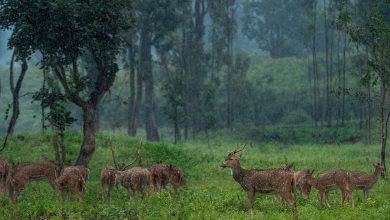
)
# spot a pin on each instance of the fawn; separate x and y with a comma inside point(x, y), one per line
point(262, 181)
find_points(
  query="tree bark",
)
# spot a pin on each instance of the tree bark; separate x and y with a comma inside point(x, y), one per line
point(150, 105)
point(89, 134)
point(384, 123)
point(131, 128)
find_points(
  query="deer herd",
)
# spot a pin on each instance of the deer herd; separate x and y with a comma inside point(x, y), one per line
point(280, 182)
point(73, 178)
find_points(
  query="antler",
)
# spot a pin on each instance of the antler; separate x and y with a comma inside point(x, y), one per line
point(137, 156)
point(243, 147)
point(113, 153)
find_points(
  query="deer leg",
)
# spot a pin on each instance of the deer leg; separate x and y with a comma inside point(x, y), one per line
point(251, 197)
point(290, 198)
point(366, 193)
point(322, 195)
point(79, 196)
point(326, 199)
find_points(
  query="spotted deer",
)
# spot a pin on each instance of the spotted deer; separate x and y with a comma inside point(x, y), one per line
point(78, 170)
point(262, 181)
point(365, 181)
point(4, 171)
point(72, 179)
point(107, 174)
point(163, 174)
point(135, 179)
point(22, 174)
point(325, 182)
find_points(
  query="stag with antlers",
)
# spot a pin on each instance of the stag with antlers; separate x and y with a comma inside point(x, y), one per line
point(262, 181)
point(107, 174)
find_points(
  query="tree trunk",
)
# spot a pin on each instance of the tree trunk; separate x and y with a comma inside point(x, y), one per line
point(368, 101)
point(176, 128)
point(325, 113)
point(43, 127)
point(344, 86)
point(89, 133)
point(150, 105)
point(384, 123)
point(134, 98)
point(15, 90)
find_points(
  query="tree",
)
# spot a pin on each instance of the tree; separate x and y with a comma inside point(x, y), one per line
point(277, 26)
point(59, 117)
point(373, 31)
point(63, 31)
point(173, 92)
point(222, 14)
point(154, 20)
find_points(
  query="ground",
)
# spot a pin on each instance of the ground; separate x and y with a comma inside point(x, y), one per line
point(210, 193)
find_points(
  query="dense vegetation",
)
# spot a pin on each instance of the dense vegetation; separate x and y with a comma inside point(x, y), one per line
point(210, 193)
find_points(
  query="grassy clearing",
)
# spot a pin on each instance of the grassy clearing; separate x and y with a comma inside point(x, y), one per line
point(211, 193)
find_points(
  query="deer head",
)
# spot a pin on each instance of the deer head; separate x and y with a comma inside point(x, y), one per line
point(379, 169)
point(303, 182)
point(232, 159)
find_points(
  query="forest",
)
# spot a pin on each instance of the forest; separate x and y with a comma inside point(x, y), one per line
point(294, 88)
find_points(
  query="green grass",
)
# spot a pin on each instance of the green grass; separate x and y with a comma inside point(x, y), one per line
point(211, 192)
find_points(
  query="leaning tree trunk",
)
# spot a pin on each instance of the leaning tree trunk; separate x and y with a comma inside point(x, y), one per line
point(89, 133)
point(15, 90)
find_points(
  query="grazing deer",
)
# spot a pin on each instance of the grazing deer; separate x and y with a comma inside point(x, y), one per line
point(162, 174)
point(329, 181)
point(4, 170)
point(262, 181)
point(22, 174)
point(364, 181)
point(107, 174)
point(78, 170)
point(136, 178)
point(301, 183)
point(71, 179)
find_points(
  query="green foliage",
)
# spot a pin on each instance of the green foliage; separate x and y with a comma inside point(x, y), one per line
point(277, 26)
point(211, 192)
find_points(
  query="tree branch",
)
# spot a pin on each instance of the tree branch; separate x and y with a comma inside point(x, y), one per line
point(60, 73)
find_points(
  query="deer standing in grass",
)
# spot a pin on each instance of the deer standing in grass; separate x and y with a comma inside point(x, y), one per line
point(4, 171)
point(262, 181)
point(330, 181)
point(135, 179)
point(72, 181)
point(107, 174)
point(163, 173)
point(73, 178)
point(365, 181)
point(22, 174)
